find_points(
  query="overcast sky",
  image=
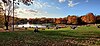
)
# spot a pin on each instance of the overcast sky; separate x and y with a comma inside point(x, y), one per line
point(58, 8)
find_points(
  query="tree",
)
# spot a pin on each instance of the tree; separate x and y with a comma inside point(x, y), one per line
point(1, 20)
point(72, 19)
point(80, 21)
point(64, 21)
point(58, 20)
point(98, 19)
point(42, 20)
point(89, 18)
point(8, 4)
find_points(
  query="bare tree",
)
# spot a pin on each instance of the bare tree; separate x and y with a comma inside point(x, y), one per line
point(9, 7)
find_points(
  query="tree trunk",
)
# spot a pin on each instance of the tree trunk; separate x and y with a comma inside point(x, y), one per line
point(6, 25)
point(6, 22)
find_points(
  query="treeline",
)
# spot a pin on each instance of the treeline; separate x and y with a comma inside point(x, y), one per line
point(8, 19)
point(89, 18)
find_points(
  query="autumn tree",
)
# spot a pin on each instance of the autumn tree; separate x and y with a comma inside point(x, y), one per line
point(72, 19)
point(50, 20)
point(58, 20)
point(64, 21)
point(98, 19)
point(1, 15)
point(89, 18)
point(30, 20)
point(42, 20)
point(1, 20)
point(80, 21)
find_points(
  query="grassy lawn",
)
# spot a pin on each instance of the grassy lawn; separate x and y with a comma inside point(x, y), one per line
point(49, 37)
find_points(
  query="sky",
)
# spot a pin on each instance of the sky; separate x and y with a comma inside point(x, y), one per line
point(58, 8)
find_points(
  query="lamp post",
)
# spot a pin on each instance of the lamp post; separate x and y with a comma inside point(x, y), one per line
point(13, 17)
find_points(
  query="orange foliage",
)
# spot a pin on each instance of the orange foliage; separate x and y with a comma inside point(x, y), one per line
point(89, 18)
point(72, 19)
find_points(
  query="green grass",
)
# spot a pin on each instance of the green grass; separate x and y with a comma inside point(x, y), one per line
point(61, 37)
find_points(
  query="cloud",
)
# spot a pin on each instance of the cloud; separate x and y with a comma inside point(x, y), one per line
point(58, 8)
point(87, 0)
point(32, 11)
point(62, 1)
point(29, 13)
point(38, 4)
point(46, 12)
point(71, 4)
point(25, 11)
